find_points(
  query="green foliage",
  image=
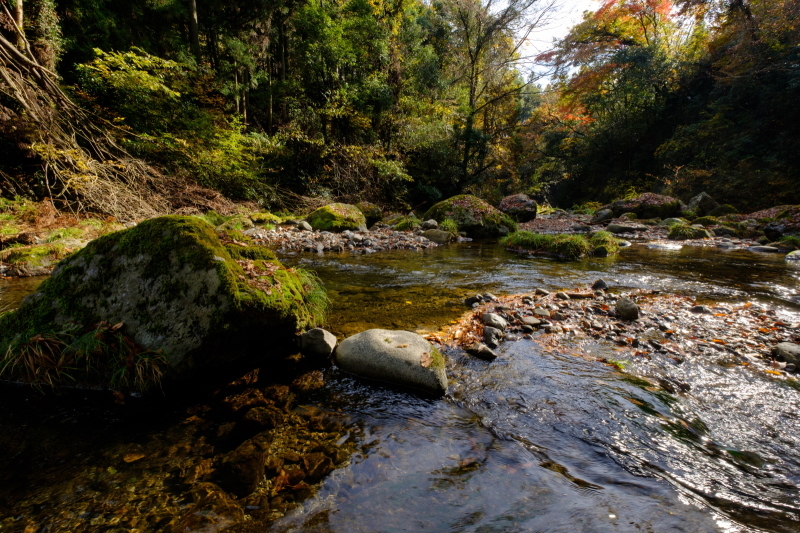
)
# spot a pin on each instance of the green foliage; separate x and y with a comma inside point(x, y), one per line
point(567, 247)
point(407, 223)
point(448, 225)
point(706, 221)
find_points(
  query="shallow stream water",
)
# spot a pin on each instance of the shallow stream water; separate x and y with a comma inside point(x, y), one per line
point(547, 439)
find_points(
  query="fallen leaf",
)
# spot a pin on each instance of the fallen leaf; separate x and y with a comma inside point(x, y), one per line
point(133, 457)
point(774, 372)
point(402, 346)
point(425, 360)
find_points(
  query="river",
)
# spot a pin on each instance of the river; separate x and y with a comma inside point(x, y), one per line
point(543, 440)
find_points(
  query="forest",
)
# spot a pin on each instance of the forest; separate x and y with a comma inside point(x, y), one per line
point(140, 107)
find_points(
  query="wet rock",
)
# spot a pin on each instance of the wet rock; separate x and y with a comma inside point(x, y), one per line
point(724, 231)
point(788, 352)
point(439, 236)
point(263, 418)
point(473, 300)
point(213, 510)
point(764, 249)
point(599, 285)
point(482, 351)
point(793, 256)
point(700, 309)
point(541, 292)
point(562, 296)
point(627, 309)
point(304, 226)
point(602, 215)
point(494, 320)
point(542, 312)
point(520, 207)
point(318, 343)
point(241, 470)
point(317, 465)
point(492, 336)
point(398, 357)
point(489, 297)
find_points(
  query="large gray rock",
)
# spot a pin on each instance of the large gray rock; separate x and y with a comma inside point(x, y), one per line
point(520, 207)
point(398, 357)
point(789, 352)
point(702, 204)
point(438, 236)
point(602, 215)
point(492, 336)
point(317, 342)
point(627, 309)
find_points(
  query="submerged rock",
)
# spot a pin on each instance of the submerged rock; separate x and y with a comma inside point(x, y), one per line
point(481, 351)
point(788, 352)
point(398, 357)
point(438, 236)
point(473, 216)
point(183, 301)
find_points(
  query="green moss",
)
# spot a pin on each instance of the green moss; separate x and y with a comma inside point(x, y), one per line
point(265, 218)
point(791, 241)
point(449, 225)
point(38, 255)
point(406, 223)
point(91, 223)
point(605, 239)
point(64, 233)
point(238, 222)
point(337, 217)
point(438, 358)
point(213, 218)
point(680, 232)
point(707, 221)
point(568, 247)
point(372, 213)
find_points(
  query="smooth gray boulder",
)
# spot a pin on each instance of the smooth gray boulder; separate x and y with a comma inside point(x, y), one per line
point(494, 320)
point(398, 357)
point(602, 215)
point(482, 351)
point(317, 343)
point(492, 336)
point(793, 256)
point(438, 236)
point(627, 309)
point(429, 224)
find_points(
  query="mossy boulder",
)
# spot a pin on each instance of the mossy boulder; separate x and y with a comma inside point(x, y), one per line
point(265, 218)
point(647, 205)
point(473, 216)
point(372, 213)
point(180, 298)
point(787, 222)
point(519, 207)
point(702, 204)
point(338, 217)
point(724, 209)
point(238, 222)
point(681, 232)
point(706, 221)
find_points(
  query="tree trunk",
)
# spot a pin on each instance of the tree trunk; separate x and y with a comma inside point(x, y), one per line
point(19, 20)
point(194, 32)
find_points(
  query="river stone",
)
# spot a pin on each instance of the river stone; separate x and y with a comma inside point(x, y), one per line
point(793, 256)
point(399, 357)
point(667, 222)
point(492, 336)
point(429, 224)
point(304, 226)
point(764, 249)
point(438, 236)
point(599, 285)
point(627, 309)
point(702, 204)
point(540, 311)
point(317, 342)
point(625, 228)
point(171, 285)
point(787, 351)
point(602, 215)
point(530, 321)
point(494, 320)
point(482, 351)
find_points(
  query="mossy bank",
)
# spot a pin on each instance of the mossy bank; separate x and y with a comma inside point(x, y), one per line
point(169, 296)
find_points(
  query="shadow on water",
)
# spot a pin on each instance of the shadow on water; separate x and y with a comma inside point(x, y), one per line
point(551, 440)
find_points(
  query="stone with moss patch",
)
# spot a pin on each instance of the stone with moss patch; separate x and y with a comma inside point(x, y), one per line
point(647, 205)
point(239, 223)
point(337, 217)
point(265, 218)
point(174, 287)
point(473, 216)
point(520, 207)
point(681, 232)
point(372, 213)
